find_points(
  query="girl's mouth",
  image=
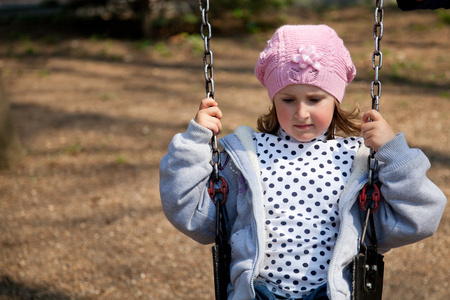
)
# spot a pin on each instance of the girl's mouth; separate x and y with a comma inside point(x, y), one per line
point(305, 126)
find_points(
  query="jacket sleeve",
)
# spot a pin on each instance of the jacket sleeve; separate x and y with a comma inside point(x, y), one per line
point(413, 205)
point(184, 175)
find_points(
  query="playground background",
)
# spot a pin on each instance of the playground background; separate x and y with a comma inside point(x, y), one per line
point(80, 214)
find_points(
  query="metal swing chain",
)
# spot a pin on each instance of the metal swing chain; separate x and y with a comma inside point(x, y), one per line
point(370, 194)
point(221, 250)
point(205, 31)
point(368, 265)
point(375, 87)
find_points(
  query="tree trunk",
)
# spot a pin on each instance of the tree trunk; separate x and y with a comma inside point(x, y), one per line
point(10, 147)
point(145, 18)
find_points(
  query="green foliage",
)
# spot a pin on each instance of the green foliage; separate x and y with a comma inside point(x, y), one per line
point(190, 18)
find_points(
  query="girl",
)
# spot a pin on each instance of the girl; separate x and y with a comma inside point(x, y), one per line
point(293, 212)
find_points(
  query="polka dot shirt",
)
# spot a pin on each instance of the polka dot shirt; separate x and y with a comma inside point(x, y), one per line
point(302, 183)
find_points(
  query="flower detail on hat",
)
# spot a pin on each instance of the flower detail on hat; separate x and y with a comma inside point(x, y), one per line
point(262, 57)
point(308, 56)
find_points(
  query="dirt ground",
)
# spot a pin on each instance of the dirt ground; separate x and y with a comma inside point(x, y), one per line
point(80, 215)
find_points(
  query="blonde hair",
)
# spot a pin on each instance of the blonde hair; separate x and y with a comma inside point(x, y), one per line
point(344, 123)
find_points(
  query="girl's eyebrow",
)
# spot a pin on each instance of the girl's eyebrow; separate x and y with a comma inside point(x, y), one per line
point(316, 93)
point(284, 95)
point(308, 94)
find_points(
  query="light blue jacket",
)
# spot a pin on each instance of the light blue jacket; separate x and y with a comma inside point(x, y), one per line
point(412, 209)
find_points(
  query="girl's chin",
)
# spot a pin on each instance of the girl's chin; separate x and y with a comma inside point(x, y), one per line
point(304, 137)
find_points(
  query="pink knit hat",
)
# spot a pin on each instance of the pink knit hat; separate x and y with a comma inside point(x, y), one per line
point(305, 54)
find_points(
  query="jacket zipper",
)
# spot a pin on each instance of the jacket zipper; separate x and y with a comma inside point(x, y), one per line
point(255, 222)
point(345, 210)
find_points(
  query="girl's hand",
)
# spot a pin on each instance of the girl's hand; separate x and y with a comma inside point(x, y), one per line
point(377, 132)
point(209, 115)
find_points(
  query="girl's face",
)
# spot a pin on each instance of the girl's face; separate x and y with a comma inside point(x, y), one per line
point(304, 111)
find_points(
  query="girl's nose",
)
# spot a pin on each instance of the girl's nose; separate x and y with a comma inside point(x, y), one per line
point(302, 111)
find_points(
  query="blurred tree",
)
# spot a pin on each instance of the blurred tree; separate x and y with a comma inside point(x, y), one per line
point(10, 147)
point(144, 15)
point(156, 14)
point(246, 8)
point(162, 18)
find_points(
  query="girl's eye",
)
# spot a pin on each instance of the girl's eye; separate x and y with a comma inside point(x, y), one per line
point(288, 100)
point(314, 100)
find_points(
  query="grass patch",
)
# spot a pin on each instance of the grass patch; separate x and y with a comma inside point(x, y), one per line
point(444, 16)
point(42, 73)
point(196, 42)
point(143, 45)
point(74, 149)
point(107, 96)
point(445, 94)
point(121, 159)
point(162, 49)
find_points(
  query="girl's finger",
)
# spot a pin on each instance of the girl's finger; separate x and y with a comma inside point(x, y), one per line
point(371, 115)
point(207, 102)
point(368, 126)
point(215, 112)
point(215, 126)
